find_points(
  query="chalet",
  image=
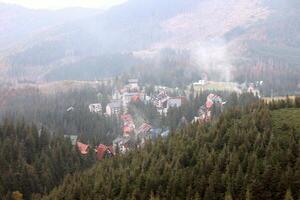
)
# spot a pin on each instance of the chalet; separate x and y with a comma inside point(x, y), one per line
point(144, 129)
point(128, 125)
point(163, 102)
point(144, 134)
point(160, 101)
point(104, 151)
point(83, 148)
point(213, 99)
point(114, 108)
point(205, 113)
point(95, 108)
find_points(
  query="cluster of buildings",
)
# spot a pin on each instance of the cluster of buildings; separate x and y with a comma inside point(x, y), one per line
point(132, 92)
point(205, 111)
point(121, 98)
point(135, 136)
point(128, 125)
point(163, 102)
point(132, 136)
point(102, 151)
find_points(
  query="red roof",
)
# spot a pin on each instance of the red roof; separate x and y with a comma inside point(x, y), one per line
point(127, 129)
point(144, 128)
point(135, 98)
point(102, 150)
point(209, 104)
point(128, 124)
point(83, 148)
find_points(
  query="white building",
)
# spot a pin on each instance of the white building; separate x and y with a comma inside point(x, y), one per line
point(70, 109)
point(174, 102)
point(95, 108)
point(114, 108)
point(133, 84)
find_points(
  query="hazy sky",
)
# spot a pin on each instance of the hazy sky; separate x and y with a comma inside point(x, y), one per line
point(57, 4)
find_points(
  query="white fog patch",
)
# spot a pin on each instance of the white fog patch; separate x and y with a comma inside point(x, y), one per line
point(213, 57)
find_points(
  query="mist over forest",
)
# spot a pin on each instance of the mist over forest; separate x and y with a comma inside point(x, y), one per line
point(220, 39)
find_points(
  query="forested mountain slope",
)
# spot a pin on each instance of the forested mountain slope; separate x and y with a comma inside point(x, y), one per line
point(247, 154)
point(32, 161)
point(230, 37)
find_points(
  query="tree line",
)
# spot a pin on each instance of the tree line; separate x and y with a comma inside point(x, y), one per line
point(241, 156)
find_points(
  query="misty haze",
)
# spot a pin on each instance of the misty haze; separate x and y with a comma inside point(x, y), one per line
point(150, 99)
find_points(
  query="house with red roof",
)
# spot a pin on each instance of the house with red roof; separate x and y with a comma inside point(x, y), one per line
point(104, 151)
point(144, 129)
point(128, 125)
point(83, 148)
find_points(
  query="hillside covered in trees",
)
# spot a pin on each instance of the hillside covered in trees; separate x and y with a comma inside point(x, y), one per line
point(249, 153)
point(32, 161)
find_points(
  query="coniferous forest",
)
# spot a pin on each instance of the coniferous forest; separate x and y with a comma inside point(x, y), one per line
point(249, 153)
point(32, 161)
point(150, 100)
point(250, 150)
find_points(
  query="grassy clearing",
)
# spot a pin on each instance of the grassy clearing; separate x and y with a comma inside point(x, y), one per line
point(283, 117)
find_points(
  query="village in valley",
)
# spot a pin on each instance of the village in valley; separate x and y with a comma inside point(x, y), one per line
point(136, 130)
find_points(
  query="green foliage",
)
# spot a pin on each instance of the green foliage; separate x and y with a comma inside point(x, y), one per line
point(284, 118)
point(50, 111)
point(32, 162)
point(242, 156)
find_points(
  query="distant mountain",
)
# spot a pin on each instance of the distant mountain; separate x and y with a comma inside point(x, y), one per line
point(18, 23)
point(230, 36)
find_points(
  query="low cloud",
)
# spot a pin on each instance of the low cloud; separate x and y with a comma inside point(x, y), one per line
point(213, 57)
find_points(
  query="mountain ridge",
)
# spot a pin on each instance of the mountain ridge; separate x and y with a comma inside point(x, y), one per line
point(228, 36)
